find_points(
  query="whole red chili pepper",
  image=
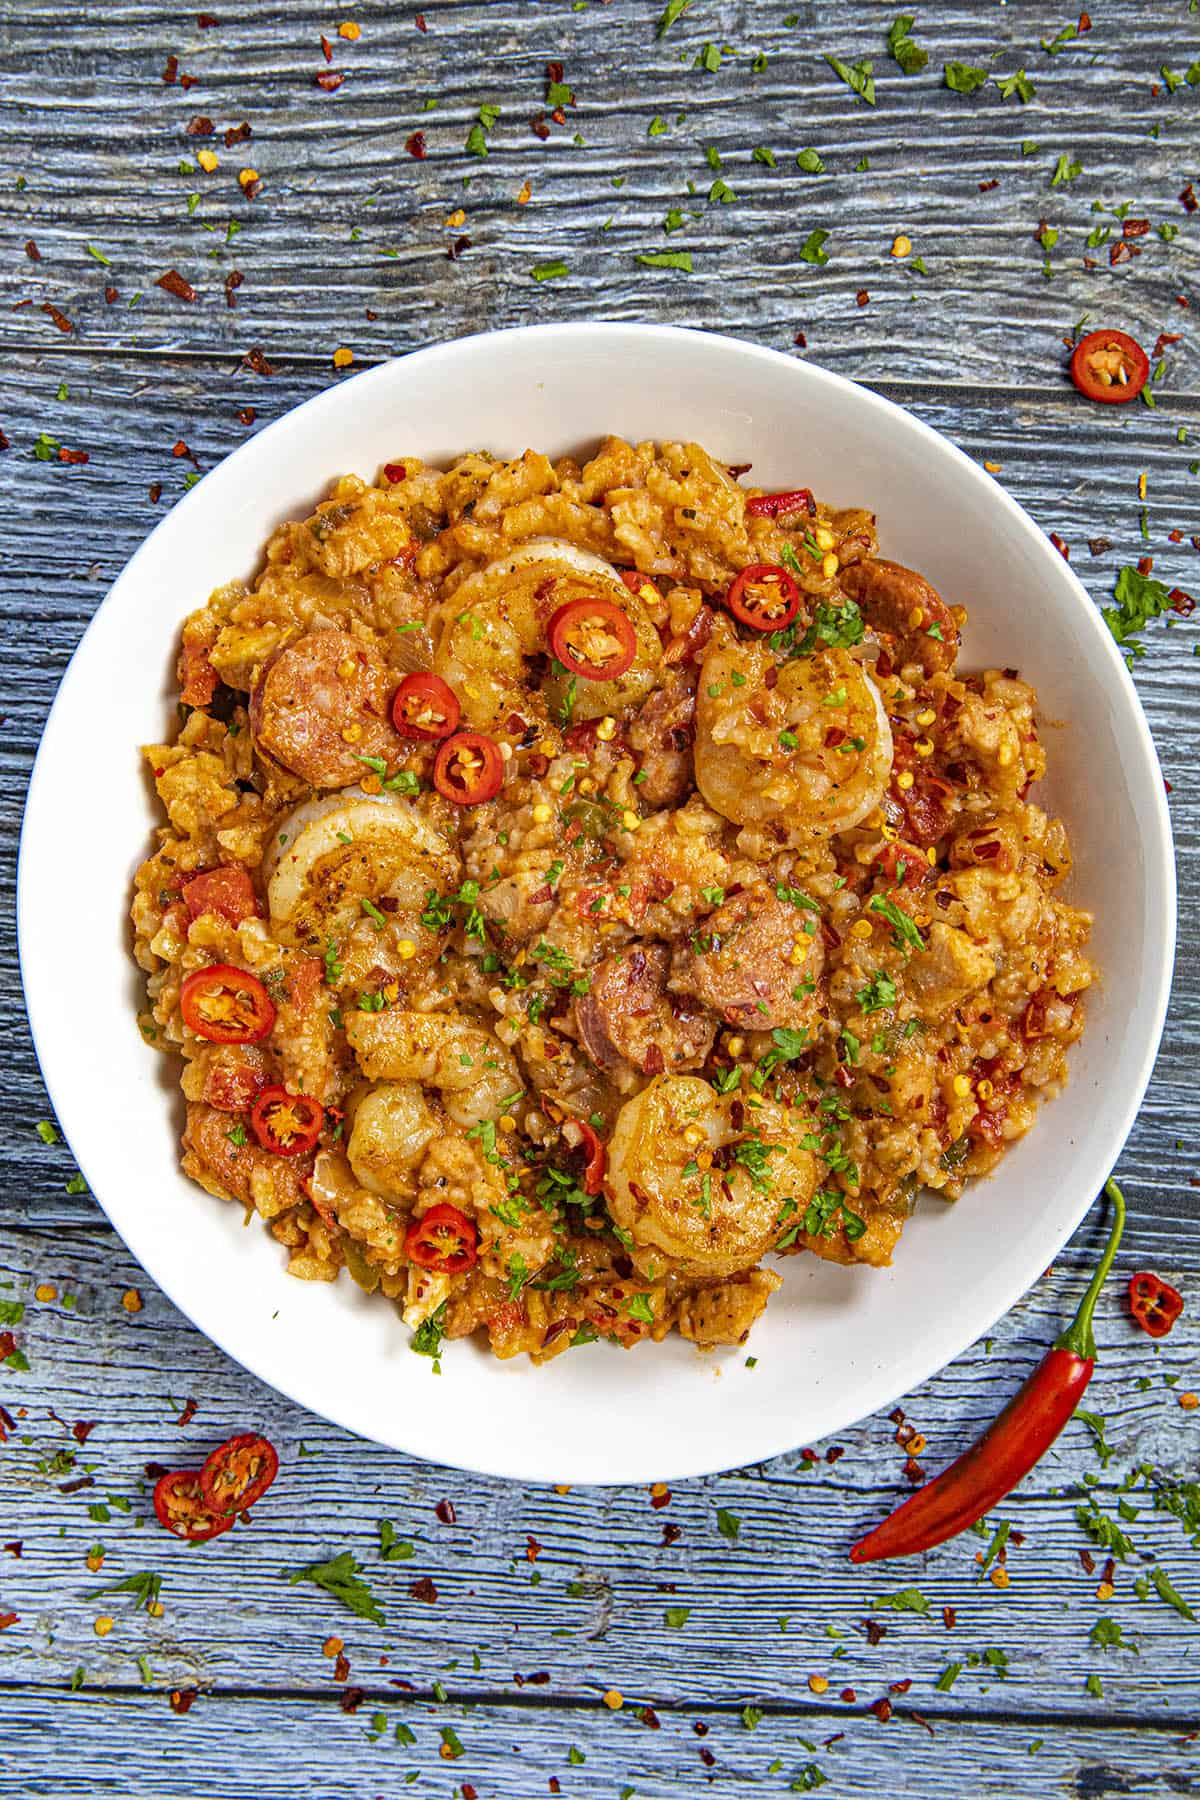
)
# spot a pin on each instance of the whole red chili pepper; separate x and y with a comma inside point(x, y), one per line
point(1008, 1450)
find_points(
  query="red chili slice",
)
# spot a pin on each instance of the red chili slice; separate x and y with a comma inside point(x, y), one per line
point(226, 1005)
point(443, 1240)
point(593, 639)
point(286, 1124)
point(238, 1473)
point(226, 890)
point(181, 1509)
point(764, 596)
point(580, 1136)
point(425, 707)
point(1154, 1303)
point(770, 506)
point(1109, 366)
point(469, 769)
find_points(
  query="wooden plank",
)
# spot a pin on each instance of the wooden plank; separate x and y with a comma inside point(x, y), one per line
point(74, 527)
point(348, 225)
point(229, 1748)
point(770, 1605)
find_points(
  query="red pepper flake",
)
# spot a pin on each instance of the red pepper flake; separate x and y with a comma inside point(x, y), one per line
point(456, 249)
point(397, 472)
point(233, 281)
point(1180, 602)
point(82, 1429)
point(110, 295)
point(1099, 545)
point(419, 22)
point(1175, 536)
point(326, 49)
point(4, 445)
point(188, 81)
point(1085, 22)
point(330, 80)
point(660, 1495)
point(706, 1756)
point(1063, 548)
point(156, 1470)
point(77, 1486)
point(32, 251)
point(1145, 564)
point(882, 1710)
point(875, 1631)
point(350, 1699)
point(1134, 228)
point(446, 1513)
point(1123, 251)
point(920, 1719)
point(72, 456)
point(247, 415)
point(899, 1687)
point(200, 126)
point(415, 145)
point(254, 359)
point(341, 1668)
point(206, 21)
point(913, 1472)
point(897, 1416)
point(171, 70)
point(949, 1617)
point(60, 318)
point(189, 1405)
point(1188, 200)
point(800, 341)
point(671, 1535)
point(649, 1717)
point(14, 1548)
point(7, 1619)
point(1162, 340)
point(182, 1699)
point(179, 448)
point(423, 1589)
point(237, 134)
point(468, 1791)
point(155, 497)
point(862, 298)
point(8, 1344)
point(985, 187)
point(539, 127)
point(532, 1548)
point(173, 283)
point(555, 1785)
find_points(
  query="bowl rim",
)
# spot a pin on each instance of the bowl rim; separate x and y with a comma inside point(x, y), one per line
point(535, 1464)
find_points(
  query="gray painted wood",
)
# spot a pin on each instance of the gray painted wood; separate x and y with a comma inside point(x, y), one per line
point(975, 348)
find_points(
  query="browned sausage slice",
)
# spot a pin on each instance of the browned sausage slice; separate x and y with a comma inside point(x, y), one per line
point(628, 1016)
point(740, 962)
point(903, 604)
point(662, 731)
point(321, 705)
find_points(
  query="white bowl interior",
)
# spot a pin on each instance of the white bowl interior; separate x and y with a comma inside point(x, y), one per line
point(835, 1344)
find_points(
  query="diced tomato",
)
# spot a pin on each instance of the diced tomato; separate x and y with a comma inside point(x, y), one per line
point(226, 890)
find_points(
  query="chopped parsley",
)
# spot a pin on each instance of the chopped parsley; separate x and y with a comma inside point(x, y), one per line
point(858, 77)
point(878, 992)
point(962, 78)
point(904, 931)
point(340, 1577)
point(911, 58)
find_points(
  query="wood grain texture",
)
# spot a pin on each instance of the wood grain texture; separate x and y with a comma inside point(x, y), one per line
point(767, 1610)
point(347, 225)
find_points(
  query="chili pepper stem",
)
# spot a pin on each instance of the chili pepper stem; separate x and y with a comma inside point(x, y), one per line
point(1079, 1335)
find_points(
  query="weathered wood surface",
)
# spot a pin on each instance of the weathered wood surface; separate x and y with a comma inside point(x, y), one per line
point(975, 348)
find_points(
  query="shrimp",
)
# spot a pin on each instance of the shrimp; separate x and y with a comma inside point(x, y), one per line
point(392, 1126)
point(474, 1071)
point(811, 754)
point(332, 853)
point(491, 625)
point(698, 1193)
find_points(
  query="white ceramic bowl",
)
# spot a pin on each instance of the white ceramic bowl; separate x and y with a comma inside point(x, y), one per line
point(835, 1343)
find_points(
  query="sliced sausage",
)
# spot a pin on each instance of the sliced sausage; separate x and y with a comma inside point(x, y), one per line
point(226, 890)
point(753, 962)
point(321, 705)
point(217, 1156)
point(898, 601)
point(662, 732)
point(629, 1017)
